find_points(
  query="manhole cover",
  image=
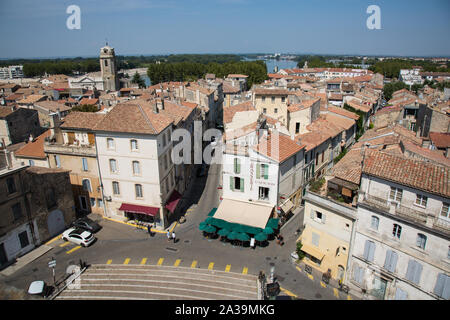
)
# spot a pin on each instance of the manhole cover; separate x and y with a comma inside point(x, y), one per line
point(271, 264)
point(318, 295)
point(187, 241)
point(268, 258)
point(171, 249)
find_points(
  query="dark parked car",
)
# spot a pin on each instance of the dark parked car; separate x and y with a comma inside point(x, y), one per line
point(87, 224)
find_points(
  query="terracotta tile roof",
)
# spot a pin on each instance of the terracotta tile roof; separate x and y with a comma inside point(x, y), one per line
point(32, 98)
point(237, 76)
point(5, 111)
point(286, 147)
point(349, 167)
point(305, 104)
point(440, 140)
point(412, 173)
point(34, 149)
point(137, 116)
point(335, 96)
point(82, 120)
point(88, 101)
point(335, 120)
point(14, 97)
point(267, 91)
point(432, 155)
point(312, 139)
point(229, 112)
point(240, 132)
point(356, 105)
point(52, 106)
point(228, 88)
point(343, 112)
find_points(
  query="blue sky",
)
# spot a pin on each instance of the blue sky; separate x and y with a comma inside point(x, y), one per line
point(37, 28)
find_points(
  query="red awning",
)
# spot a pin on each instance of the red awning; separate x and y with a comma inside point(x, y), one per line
point(152, 211)
point(173, 201)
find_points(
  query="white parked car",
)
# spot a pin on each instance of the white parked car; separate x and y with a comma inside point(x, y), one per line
point(78, 236)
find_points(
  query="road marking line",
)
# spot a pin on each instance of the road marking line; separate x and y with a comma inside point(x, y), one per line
point(127, 260)
point(228, 267)
point(323, 284)
point(109, 261)
point(73, 249)
point(64, 244)
point(310, 276)
point(245, 270)
point(177, 263)
point(160, 261)
point(288, 292)
point(194, 264)
point(298, 268)
point(348, 297)
point(211, 266)
point(144, 261)
point(336, 293)
point(174, 226)
point(53, 240)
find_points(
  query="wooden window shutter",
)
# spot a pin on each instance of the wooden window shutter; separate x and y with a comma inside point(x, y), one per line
point(242, 185)
point(91, 139)
point(231, 183)
point(258, 171)
point(266, 171)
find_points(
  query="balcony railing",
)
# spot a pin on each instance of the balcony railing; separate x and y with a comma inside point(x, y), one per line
point(81, 150)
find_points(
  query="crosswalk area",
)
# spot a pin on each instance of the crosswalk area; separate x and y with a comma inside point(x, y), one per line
point(179, 263)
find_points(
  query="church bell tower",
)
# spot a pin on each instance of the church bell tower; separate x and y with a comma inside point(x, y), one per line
point(108, 68)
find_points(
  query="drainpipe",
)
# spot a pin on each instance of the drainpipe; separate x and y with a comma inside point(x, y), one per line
point(100, 177)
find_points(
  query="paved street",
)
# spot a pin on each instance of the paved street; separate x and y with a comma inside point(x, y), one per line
point(119, 243)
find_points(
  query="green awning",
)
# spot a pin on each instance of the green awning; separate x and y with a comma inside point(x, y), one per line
point(243, 237)
point(261, 237)
point(217, 222)
point(233, 235)
point(209, 220)
point(273, 223)
point(268, 230)
point(223, 232)
point(202, 226)
point(212, 212)
point(210, 229)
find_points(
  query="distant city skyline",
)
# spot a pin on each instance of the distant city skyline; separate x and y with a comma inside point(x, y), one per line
point(37, 29)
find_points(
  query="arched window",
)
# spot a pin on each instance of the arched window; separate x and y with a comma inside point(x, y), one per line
point(375, 221)
point(136, 167)
point(138, 189)
point(421, 240)
point(87, 185)
point(113, 165)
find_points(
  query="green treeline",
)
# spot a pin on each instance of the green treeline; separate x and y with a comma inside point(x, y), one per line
point(190, 71)
point(391, 68)
point(60, 66)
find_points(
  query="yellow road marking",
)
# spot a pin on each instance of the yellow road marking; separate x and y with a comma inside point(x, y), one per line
point(245, 270)
point(64, 244)
point(109, 261)
point(53, 240)
point(298, 268)
point(323, 284)
point(310, 276)
point(177, 263)
point(336, 293)
point(288, 292)
point(228, 267)
point(160, 261)
point(127, 260)
point(144, 261)
point(73, 249)
point(211, 266)
point(174, 226)
point(194, 264)
point(348, 297)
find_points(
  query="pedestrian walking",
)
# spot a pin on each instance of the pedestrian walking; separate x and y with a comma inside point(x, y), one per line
point(174, 237)
point(168, 236)
point(149, 229)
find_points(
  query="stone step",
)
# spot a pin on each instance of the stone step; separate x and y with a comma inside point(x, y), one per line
point(161, 282)
point(214, 287)
point(159, 288)
point(177, 274)
point(165, 270)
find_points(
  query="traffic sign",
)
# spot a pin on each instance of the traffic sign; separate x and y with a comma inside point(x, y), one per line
point(52, 263)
